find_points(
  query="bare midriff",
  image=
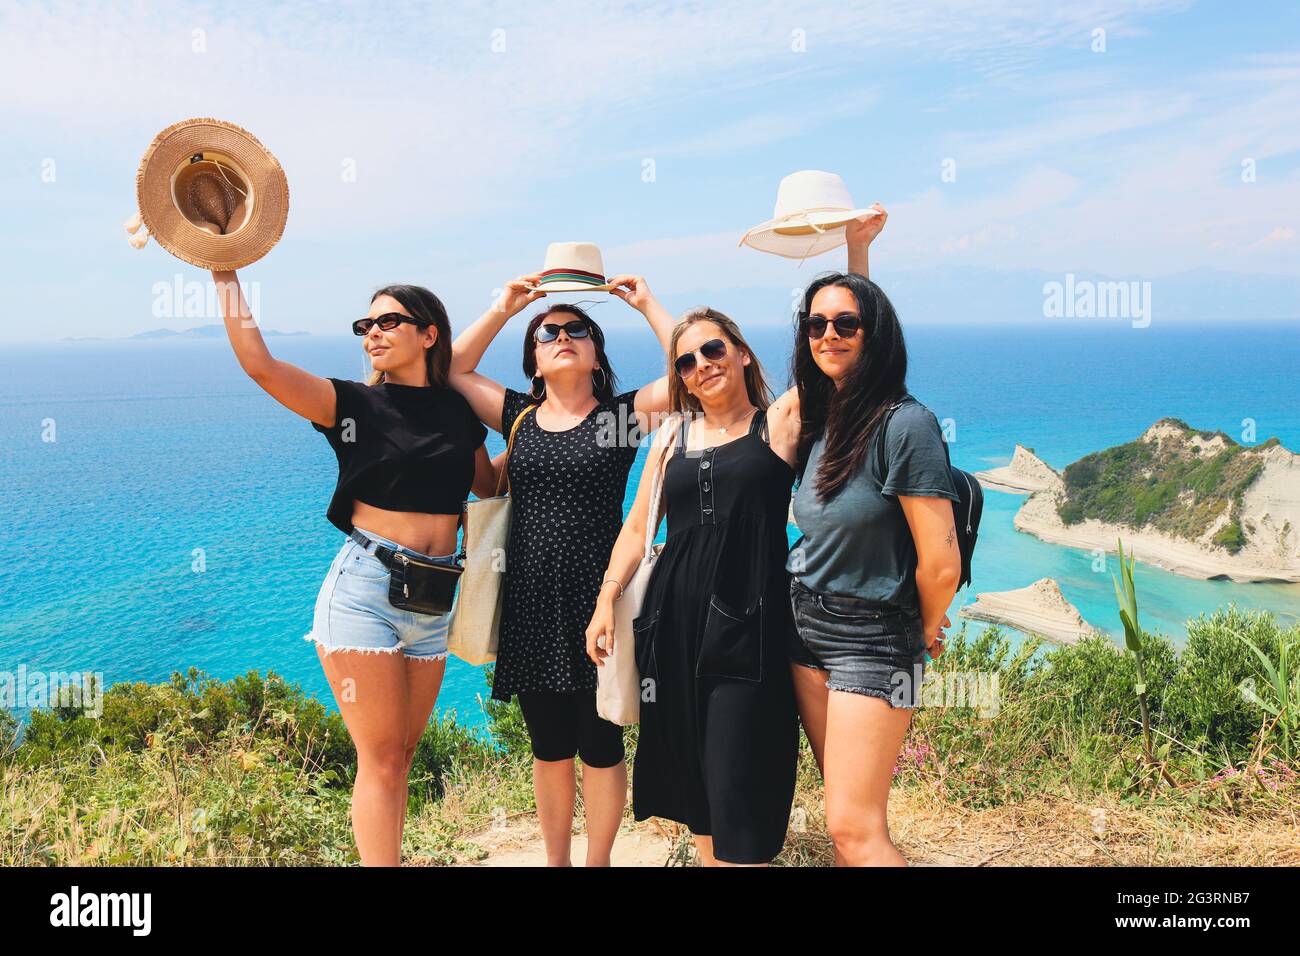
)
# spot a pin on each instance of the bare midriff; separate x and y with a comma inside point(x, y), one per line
point(426, 533)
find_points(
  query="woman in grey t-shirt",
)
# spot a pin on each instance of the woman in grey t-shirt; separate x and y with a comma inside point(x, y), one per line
point(877, 563)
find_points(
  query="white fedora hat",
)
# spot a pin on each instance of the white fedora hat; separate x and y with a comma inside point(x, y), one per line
point(812, 209)
point(573, 267)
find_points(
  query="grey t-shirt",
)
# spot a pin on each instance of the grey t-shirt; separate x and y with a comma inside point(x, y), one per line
point(858, 544)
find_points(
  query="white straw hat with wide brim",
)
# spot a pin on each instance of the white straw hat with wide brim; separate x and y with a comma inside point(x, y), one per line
point(573, 267)
point(812, 210)
point(211, 194)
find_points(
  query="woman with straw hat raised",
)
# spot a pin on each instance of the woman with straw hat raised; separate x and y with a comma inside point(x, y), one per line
point(409, 451)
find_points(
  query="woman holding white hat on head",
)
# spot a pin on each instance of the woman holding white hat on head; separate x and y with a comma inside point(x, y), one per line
point(576, 440)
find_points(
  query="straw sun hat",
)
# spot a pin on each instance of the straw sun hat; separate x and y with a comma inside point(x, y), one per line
point(812, 210)
point(211, 194)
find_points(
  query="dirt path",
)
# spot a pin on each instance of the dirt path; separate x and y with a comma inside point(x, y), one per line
point(1037, 832)
point(519, 843)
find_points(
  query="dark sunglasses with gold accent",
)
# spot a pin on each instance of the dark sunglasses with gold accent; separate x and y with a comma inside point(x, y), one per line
point(386, 323)
point(846, 325)
point(549, 331)
point(712, 350)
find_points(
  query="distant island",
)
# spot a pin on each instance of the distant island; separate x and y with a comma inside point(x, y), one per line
point(1038, 609)
point(214, 331)
point(1193, 502)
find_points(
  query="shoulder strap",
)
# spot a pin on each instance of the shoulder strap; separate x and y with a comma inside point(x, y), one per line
point(657, 487)
point(947, 454)
point(759, 424)
point(503, 479)
point(683, 425)
point(881, 456)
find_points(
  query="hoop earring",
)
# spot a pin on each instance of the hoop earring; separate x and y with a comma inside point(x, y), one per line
point(603, 384)
point(533, 389)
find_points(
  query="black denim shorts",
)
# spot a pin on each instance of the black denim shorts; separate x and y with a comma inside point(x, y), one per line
point(865, 648)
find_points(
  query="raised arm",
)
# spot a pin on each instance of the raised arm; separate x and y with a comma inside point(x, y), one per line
point(783, 425)
point(301, 392)
point(652, 398)
point(636, 292)
point(860, 234)
point(627, 553)
point(484, 395)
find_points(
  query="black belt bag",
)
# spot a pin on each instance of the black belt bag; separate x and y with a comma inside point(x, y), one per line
point(414, 584)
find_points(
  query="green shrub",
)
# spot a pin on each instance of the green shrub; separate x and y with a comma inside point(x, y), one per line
point(1091, 684)
point(1205, 702)
point(1231, 536)
point(506, 720)
point(8, 733)
point(196, 710)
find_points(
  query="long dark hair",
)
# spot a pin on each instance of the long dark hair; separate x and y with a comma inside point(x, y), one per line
point(425, 307)
point(848, 415)
point(605, 390)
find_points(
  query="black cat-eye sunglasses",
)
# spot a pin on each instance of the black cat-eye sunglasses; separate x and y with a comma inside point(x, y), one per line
point(386, 323)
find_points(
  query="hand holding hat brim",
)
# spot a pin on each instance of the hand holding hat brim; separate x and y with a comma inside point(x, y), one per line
point(865, 228)
point(806, 234)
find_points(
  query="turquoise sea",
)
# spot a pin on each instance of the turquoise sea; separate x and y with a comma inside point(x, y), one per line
point(164, 457)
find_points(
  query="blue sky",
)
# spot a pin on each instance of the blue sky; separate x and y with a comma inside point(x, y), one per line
point(482, 131)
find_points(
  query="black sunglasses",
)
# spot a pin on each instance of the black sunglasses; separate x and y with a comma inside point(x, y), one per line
point(385, 322)
point(712, 350)
point(846, 325)
point(549, 331)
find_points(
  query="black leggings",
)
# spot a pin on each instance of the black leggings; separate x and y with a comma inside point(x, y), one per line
point(562, 726)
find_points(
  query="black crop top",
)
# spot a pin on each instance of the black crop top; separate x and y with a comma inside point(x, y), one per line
point(401, 447)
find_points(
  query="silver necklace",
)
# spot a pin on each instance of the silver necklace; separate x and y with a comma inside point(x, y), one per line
point(723, 429)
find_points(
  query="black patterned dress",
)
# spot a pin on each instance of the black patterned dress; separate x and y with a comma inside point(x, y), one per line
point(567, 489)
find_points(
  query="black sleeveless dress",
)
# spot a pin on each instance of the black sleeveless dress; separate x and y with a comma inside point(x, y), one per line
point(719, 741)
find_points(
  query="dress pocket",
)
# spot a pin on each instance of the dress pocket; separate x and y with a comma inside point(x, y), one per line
point(732, 643)
point(643, 638)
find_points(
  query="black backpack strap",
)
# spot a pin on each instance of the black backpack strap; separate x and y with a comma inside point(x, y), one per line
point(947, 454)
point(881, 457)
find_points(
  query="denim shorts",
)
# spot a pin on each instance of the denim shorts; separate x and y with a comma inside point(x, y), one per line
point(865, 648)
point(353, 612)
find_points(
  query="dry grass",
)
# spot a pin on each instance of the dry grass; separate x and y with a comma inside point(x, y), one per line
point(1222, 823)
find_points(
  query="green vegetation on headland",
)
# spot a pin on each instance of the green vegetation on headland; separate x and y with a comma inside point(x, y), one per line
point(1176, 486)
point(254, 772)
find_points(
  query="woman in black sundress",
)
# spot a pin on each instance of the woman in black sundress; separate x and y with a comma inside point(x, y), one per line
point(568, 475)
point(719, 735)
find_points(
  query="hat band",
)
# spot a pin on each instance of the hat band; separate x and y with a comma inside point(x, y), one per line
point(803, 213)
point(571, 275)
